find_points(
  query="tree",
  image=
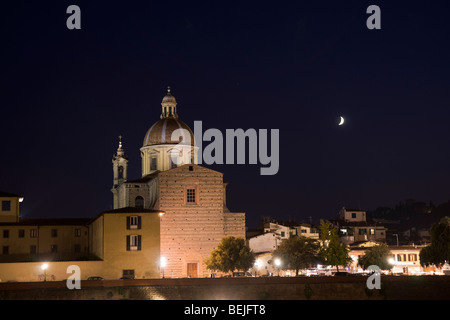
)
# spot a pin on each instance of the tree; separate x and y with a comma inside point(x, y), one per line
point(231, 254)
point(439, 251)
point(298, 253)
point(332, 252)
point(378, 256)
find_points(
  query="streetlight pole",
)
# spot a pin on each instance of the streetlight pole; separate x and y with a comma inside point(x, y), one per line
point(44, 268)
point(162, 263)
point(395, 234)
point(278, 264)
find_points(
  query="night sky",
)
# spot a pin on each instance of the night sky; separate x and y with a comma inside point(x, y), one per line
point(66, 96)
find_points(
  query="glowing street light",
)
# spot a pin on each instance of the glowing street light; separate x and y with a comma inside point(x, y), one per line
point(162, 263)
point(278, 264)
point(258, 265)
point(44, 268)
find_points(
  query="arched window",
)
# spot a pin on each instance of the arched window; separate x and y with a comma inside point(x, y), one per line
point(120, 172)
point(139, 202)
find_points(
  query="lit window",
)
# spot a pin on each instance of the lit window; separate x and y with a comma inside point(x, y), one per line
point(190, 195)
point(412, 257)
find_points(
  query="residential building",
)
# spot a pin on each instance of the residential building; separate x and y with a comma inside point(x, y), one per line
point(353, 226)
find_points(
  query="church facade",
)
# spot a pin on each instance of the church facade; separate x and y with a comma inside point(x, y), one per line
point(192, 197)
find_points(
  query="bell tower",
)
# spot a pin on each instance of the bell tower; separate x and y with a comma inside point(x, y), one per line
point(120, 165)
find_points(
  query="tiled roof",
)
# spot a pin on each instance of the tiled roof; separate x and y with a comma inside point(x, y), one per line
point(49, 222)
point(8, 194)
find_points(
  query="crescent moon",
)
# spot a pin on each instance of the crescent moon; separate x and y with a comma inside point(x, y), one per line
point(342, 121)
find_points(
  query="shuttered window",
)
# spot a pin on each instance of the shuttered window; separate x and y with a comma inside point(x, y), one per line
point(134, 242)
point(134, 222)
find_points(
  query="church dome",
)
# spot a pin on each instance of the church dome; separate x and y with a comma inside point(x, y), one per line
point(161, 132)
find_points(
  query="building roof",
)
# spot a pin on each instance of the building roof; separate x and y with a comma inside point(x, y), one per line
point(344, 223)
point(131, 210)
point(9, 194)
point(145, 179)
point(125, 210)
point(161, 133)
point(49, 222)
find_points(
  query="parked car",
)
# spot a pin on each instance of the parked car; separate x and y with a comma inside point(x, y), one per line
point(95, 278)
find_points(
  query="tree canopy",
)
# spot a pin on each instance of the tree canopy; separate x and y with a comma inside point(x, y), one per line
point(298, 253)
point(439, 251)
point(332, 252)
point(231, 254)
point(378, 256)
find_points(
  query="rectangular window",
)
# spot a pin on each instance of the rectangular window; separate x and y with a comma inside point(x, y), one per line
point(412, 257)
point(5, 250)
point(190, 195)
point(362, 231)
point(33, 249)
point(133, 222)
point(372, 231)
point(353, 215)
point(21, 233)
point(401, 257)
point(6, 205)
point(5, 233)
point(133, 243)
point(77, 233)
point(153, 164)
point(128, 274)
point(33, 233)
point(54, 248)
point(54, 233)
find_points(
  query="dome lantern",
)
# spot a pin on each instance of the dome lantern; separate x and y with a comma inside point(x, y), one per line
point(169, 106)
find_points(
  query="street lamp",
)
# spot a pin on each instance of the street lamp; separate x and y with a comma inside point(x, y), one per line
point(162, 263)
point(258, 265)
point(278, 264)
point(395, 234)
point(44, 268)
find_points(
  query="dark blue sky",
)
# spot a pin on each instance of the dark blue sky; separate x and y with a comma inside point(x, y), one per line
point(67, 94)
